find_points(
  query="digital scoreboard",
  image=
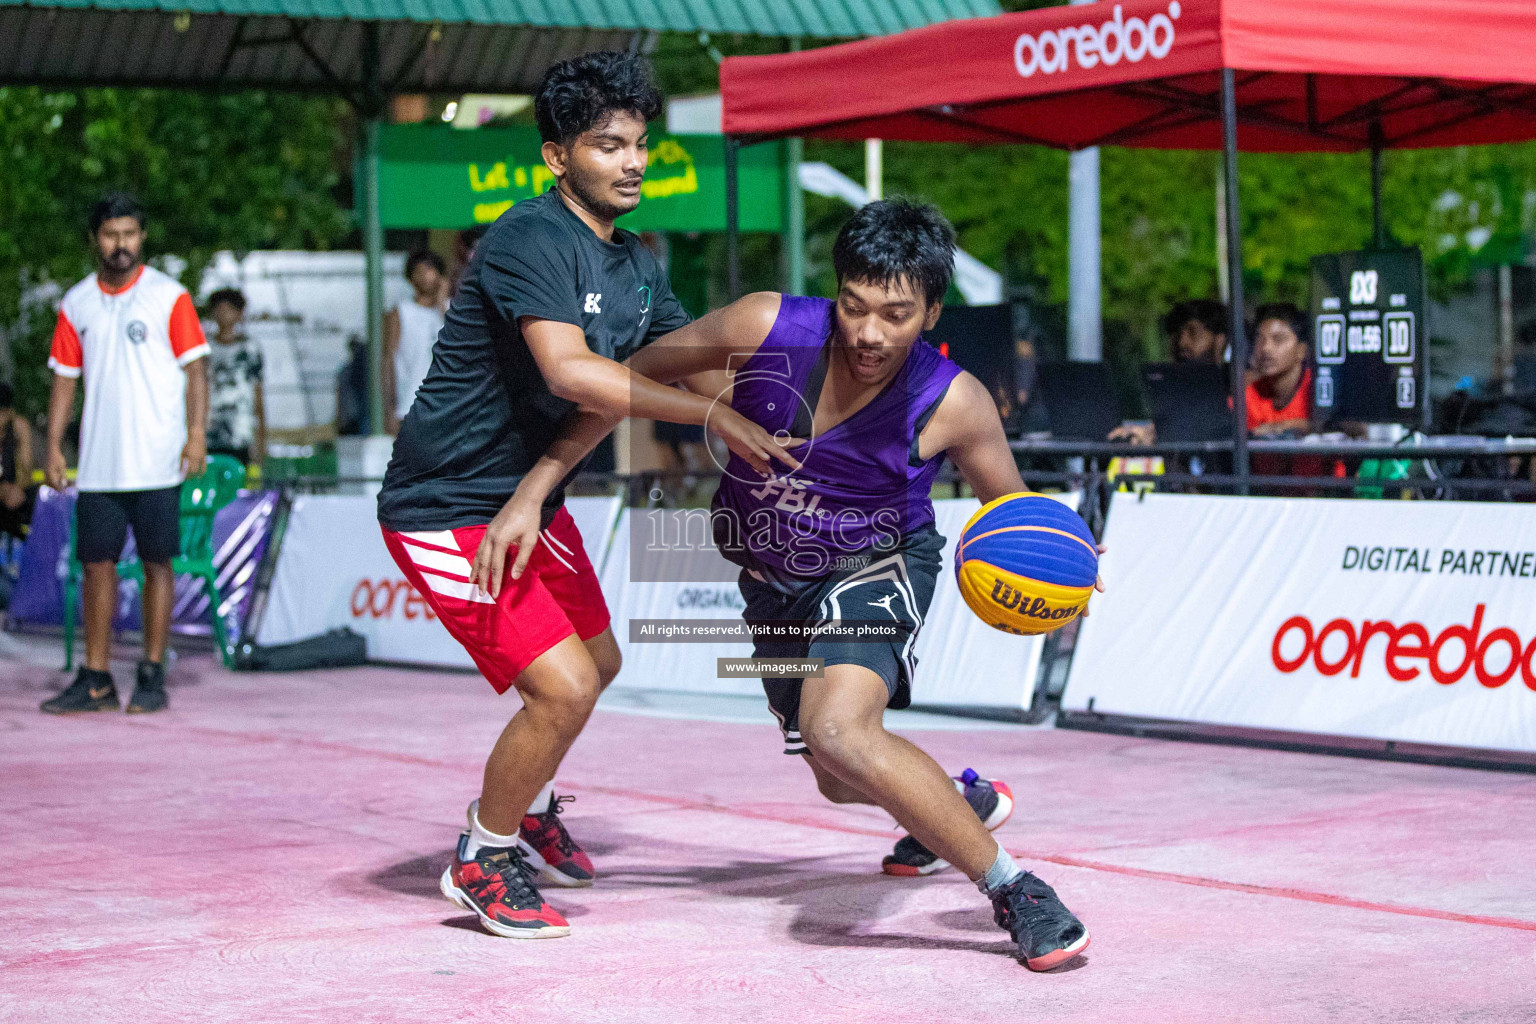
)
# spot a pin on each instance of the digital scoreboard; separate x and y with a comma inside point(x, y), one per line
point(1369, 340)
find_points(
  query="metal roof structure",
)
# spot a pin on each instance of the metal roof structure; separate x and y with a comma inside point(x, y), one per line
point(416, 45)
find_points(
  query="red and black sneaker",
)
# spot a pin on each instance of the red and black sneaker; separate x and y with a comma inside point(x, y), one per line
point(495, 886)
point(992, 801)
point(549, 849)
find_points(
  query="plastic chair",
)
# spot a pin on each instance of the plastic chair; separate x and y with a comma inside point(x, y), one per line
point(1381, 469)
point(201, 499)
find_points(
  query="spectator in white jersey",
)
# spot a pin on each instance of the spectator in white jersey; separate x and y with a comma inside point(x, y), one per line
point(132, 333)
point(409, 332)
point(237, 414)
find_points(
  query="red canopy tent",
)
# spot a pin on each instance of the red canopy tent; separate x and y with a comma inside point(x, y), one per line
point(1260, 75)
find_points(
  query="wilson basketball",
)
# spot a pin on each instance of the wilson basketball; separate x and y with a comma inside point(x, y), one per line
point(1026, 564)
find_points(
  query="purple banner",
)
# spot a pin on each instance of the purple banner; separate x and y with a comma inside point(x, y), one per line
point(241, 531)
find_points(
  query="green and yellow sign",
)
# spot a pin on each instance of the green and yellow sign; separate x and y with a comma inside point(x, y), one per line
point(440, 177)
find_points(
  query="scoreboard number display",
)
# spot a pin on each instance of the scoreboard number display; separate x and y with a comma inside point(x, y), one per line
point(1368, 337)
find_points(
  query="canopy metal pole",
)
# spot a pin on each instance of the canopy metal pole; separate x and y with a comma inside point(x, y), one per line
point(794, 210)
point(1085, 276)
point(373, 231)
point(732, 219)
point(1237, 335)
point(794, 218)
point(1378, 231)
point(874, 169)
point(1085, 264)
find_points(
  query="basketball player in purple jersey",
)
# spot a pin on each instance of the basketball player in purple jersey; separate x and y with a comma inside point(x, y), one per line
point(848, 538)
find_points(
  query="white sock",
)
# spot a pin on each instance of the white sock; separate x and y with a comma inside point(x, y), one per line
point(541, 802)
point(480, 836)
point(1002, 871)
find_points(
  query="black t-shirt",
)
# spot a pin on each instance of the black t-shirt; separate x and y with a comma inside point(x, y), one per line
point(483, 416)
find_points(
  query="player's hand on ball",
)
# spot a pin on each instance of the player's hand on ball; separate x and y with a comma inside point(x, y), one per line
point(1098, 581)
point(515, 526)
point(752, 442)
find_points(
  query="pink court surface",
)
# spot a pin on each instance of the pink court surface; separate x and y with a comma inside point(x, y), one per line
point(268, 850)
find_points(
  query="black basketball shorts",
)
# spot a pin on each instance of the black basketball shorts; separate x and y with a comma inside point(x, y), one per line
point(892, 587)
point(102, 519)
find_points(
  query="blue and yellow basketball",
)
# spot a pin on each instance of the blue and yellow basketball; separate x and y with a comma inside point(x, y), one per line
point(1026, 564)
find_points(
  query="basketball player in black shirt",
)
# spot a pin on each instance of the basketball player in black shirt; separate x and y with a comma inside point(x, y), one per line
point(554, 299)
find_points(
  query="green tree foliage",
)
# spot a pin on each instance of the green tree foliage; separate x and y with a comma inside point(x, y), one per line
point(240, 171)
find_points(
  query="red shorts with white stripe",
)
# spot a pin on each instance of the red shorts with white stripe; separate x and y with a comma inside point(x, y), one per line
point(557, 595)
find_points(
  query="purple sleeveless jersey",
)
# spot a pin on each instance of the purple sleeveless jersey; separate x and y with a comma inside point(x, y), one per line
point(861, 485)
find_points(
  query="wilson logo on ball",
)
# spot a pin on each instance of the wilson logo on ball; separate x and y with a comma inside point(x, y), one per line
point(1026, 564)
point(1007, 597)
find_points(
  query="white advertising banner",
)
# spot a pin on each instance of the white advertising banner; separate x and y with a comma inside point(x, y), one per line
point(671, 665)
point(333, 570)
point(1387, 620)
point(962, 662)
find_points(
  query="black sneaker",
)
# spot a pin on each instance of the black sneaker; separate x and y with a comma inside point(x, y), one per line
point(91, 691)
point(992, 801)
point(1043, 928)
point(148, 689)
point(495, 886)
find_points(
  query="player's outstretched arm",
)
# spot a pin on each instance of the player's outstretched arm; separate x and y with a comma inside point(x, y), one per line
point(574, 372)
point(639, 388)
point(577, 374)
point(718, 341)
point(700, 348)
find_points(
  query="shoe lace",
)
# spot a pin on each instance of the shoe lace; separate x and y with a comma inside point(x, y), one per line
point(507, 877)
point(1034, 914)
point(551, 824)
point(1026, 902)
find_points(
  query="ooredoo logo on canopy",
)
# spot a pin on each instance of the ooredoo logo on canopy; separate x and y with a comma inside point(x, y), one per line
point(1119, 38)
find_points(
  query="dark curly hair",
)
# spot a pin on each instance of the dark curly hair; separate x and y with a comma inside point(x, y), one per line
point(582, 93)
point(234, 296)
point(1209, 313)
point(892, 239)
point(114, 205)
point(426, 256)
point(1299, 323)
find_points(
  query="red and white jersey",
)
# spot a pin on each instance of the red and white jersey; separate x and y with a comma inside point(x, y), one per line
point(130, 345)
